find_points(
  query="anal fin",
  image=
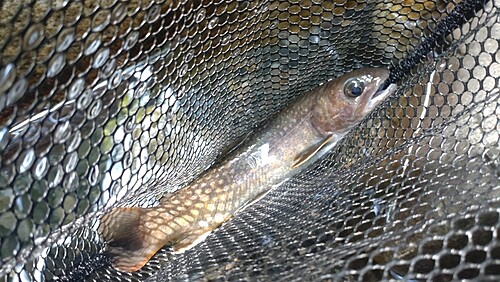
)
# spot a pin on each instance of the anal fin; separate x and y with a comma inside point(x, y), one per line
point(191, 240)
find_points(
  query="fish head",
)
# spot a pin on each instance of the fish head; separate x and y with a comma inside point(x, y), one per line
point(348, 99)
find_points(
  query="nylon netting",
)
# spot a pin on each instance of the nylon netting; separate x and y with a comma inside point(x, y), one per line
point(108, 103)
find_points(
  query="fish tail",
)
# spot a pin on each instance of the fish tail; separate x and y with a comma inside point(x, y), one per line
point(129, 241)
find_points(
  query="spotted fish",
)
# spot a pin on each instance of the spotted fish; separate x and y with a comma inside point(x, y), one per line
point(296, 137)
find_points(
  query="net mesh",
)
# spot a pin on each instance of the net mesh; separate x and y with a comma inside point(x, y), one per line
point(108, 103)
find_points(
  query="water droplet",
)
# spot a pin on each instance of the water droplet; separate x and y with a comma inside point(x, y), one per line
point(95, 109)
point(183, 70)
point(33, 36)
point(94, 175)
point(70, 162)
point(56, 64)
point(119, 13)
point(189, 56)
point(92, 44)
point(132, 39)
point(100, 58)
point(74, 141)
point(377, 207)
point(62, 132)
point(17, 91)
point(65, 38)
point(267, 240)
point(26, 160)
point(213, 23)
point(139, 91)
point(273, 25)
point(200, 16)
point(70, 182)
point(115, 80)
point(84, 100)
point(440, 67)
point(41, 168)
point(226, 39)
point(314, 39)
point(127, 159)
point(130, 124)
point(235, 53)
point(154, 13)
point(76, 88)
point(7, 77)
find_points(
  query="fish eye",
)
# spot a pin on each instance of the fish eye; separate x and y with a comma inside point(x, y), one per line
point(353, 88)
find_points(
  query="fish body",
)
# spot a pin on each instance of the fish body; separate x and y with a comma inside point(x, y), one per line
point(299, 135)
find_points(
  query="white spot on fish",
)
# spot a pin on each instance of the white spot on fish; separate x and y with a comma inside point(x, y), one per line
point(219, 218)
point(260, 157)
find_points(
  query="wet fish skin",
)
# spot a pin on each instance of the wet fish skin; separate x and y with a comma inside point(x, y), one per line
point(299, 135)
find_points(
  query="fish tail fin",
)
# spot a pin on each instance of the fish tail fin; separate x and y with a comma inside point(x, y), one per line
point(129, 241)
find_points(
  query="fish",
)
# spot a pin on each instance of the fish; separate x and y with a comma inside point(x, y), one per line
point(296, 137)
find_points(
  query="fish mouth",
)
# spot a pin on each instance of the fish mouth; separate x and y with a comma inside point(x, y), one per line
point(383, 86)
point(381, 94)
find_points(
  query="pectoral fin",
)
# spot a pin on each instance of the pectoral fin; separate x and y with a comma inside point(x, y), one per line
point(311, 151)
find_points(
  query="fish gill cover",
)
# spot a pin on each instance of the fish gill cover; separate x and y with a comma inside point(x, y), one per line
point(115, 103)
